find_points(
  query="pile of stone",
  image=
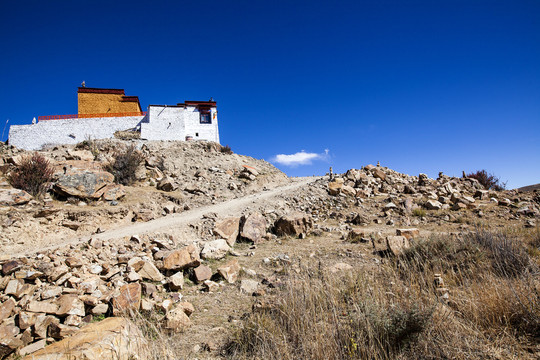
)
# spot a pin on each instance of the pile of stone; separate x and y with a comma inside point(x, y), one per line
point(404, 193)
point(52, 295)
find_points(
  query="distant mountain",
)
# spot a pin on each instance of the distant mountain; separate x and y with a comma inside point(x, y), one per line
point(529, 188)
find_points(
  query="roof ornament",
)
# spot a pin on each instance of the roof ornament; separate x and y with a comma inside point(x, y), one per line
point(211, 99)
point(83, 84)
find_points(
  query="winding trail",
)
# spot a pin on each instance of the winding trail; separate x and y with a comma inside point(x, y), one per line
point(232, 207)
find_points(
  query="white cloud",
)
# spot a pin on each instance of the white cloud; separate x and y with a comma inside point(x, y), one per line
point(299, 158)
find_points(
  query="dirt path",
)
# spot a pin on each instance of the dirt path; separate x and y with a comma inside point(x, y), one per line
point(228, 208)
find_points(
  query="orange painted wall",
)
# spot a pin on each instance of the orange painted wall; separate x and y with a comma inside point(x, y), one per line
point(91, 103)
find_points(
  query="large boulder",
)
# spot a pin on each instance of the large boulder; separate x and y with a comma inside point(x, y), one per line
point(86, 183)
point(182, 258)
point(128, 298)
point(10, 197)
point(293, 224)
point(112, 338)
point(215, 249)
point(253, 227)
point(228, 229)
point(334, 187)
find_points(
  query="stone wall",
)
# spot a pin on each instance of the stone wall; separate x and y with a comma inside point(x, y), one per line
point(69, 131)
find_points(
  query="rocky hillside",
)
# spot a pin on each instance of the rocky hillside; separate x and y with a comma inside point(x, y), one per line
point(83, 197)
point(196, 284)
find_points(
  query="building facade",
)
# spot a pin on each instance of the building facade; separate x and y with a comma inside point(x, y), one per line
point(102, 112)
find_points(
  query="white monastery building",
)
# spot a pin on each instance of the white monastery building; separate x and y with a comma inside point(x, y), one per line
point(102, 112)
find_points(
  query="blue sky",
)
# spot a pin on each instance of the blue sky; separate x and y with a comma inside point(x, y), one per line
point(421, 86)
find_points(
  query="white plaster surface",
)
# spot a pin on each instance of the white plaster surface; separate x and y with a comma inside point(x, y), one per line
point(68, 131)
point(177, 122)
point(161, 123)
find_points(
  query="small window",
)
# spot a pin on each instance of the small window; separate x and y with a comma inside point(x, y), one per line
point(205, 118)
point(197, 134)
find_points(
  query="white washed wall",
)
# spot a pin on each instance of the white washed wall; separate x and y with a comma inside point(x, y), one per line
point(68, 131)
point(175, 123)
point(164, 123)
point(205, 131)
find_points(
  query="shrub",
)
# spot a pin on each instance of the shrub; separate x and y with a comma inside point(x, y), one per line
point(90, 145)
point(125, 164)
point(509, 257)
point(419, 212)
point(226, 149)
point(32, 174)
point(488, 181)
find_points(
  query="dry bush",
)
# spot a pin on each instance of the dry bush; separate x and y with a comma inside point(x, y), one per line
point(394, 312)
point(159, 344)
point(125, 164)
point(489, 181)
point(495, 284)
point(226, 149)
point(358, 316)
point(32, 174)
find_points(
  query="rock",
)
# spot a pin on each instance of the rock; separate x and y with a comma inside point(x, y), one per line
point(32, 348)
point(176, 281)
point(166, 184)
point(12, 197)
point(18, 288)
point(293, 224)
point(177, 320)
point(112, 338)
point(9, 340)
point(182, 259)
point(113, 192)
point(80, 155)
point(229, 271)
point(359, 219)
point(348, 190)
point(334, 187)
point(60, 331)
point(202, 273)
point(56, 272)
point(6, 309)
point(83, 183)
point(128, 299)
point(211, 286)
point(505, 202)
point(390, 206)
point(73, 262)
point(100, 309)
point(396, 244)
point(378, 173)
point(42, 324)
point(150, 272)
point(70, 304)
point(27, 319)
point(408, 233)
point(228, 229)
point(248, 286)
point(215, 249)
point(433, 205)
point(11, 266)
point(340, 267)
point(187, 307)
point(253, 227)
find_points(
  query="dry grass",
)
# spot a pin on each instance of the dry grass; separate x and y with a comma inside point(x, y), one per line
point(394, 312)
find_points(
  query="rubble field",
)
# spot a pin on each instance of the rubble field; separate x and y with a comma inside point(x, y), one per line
point(193, 283)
